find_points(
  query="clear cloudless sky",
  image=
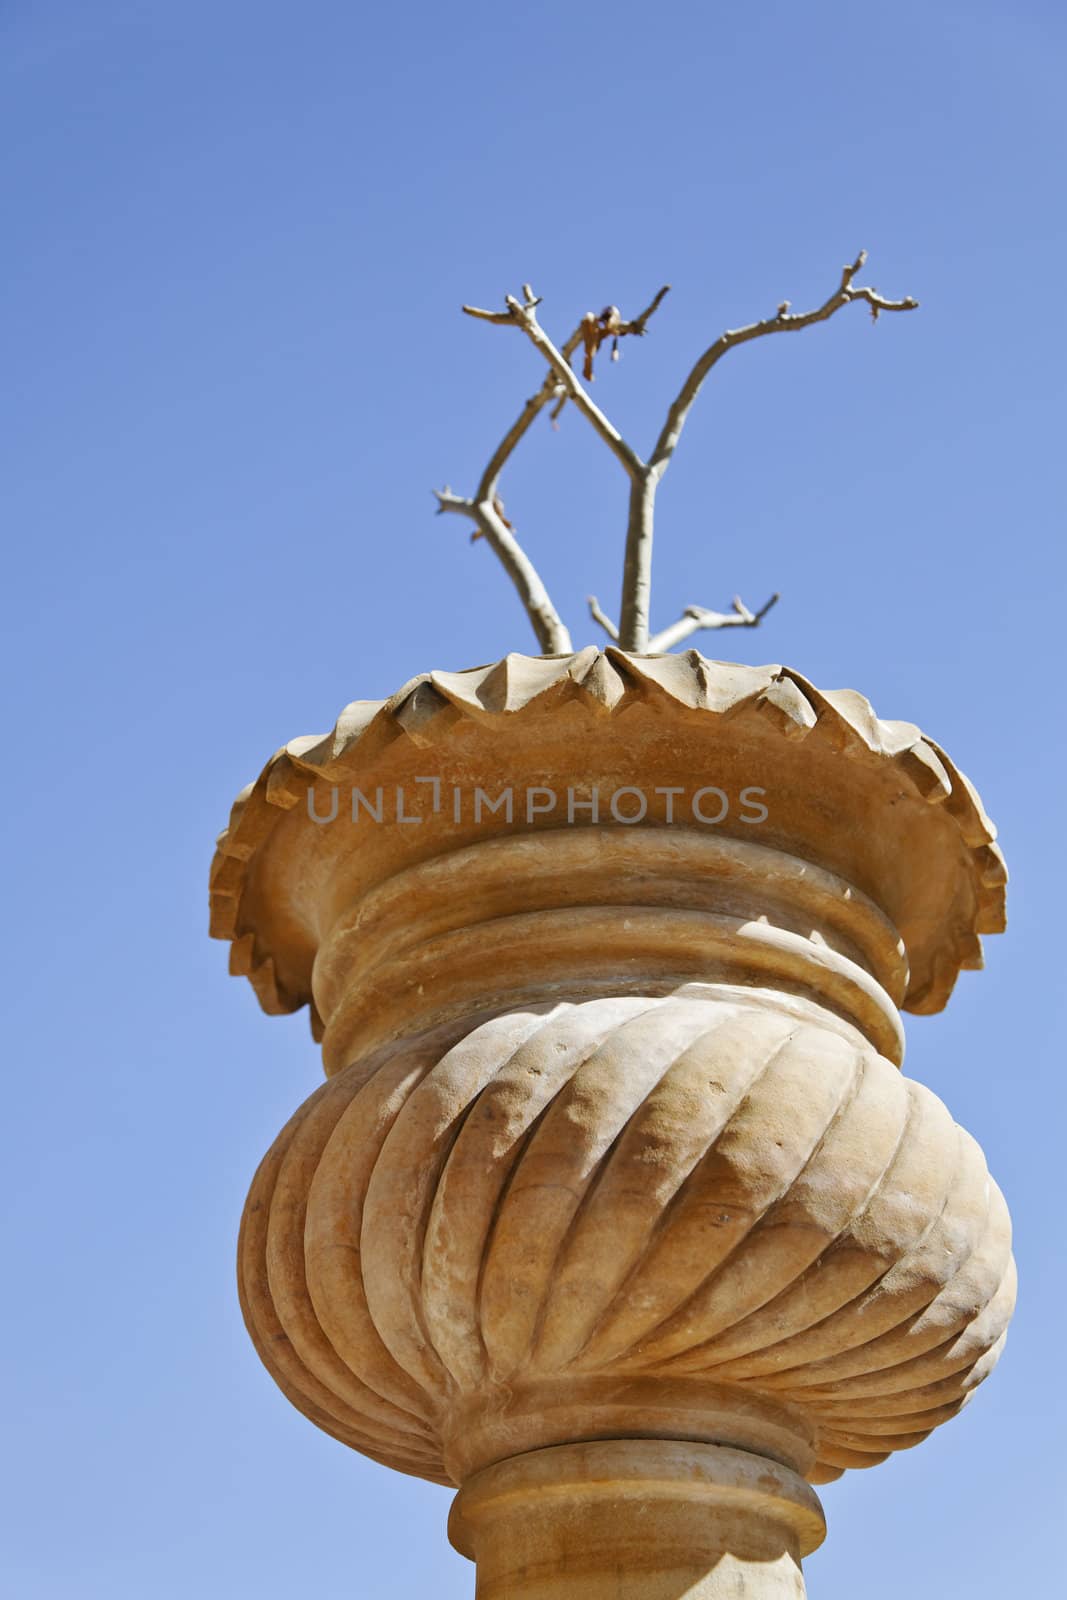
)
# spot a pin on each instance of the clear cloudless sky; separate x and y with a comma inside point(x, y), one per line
point(237, 237)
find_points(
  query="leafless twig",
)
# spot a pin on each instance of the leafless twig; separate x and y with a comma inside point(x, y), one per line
point(637, 568)
point(523, 314)
point(562, 384)
point(783, 321)
point(598, 616)
point(485, 508)
point(696, 618)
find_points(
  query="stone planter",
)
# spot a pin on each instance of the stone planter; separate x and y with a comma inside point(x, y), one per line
point(615, 1210)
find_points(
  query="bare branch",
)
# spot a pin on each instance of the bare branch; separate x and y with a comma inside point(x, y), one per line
point(639, 325)
point(486, 509)
point(636, 603)
point(525, 318)
point(591, 332)
point(783, 321)
point(605, 621)
point(519, 428)
point(487, 316)
point(696, 618)
point(562, 384)
point(487, 514)
point(532, 301)
point(637, 568)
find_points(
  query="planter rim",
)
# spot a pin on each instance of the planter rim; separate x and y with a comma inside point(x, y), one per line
point(608, 681)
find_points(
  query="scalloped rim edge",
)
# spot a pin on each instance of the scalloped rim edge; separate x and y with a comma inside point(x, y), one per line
point(605, 680)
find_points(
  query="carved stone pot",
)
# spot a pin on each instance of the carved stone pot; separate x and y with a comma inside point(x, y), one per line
point(615, 1209)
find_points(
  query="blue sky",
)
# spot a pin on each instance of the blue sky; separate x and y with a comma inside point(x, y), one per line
point(237, 238)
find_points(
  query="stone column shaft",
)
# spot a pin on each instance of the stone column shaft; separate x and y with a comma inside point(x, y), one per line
point(637, 1519)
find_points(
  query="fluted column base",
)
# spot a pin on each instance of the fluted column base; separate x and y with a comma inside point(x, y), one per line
point(637, 1519)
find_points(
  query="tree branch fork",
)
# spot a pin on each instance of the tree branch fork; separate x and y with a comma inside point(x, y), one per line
point(561, 385)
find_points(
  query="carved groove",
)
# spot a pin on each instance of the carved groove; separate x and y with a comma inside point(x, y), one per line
point(448, 1221)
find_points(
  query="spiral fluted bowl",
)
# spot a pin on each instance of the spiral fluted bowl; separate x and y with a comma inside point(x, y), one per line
point(719, 1208)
